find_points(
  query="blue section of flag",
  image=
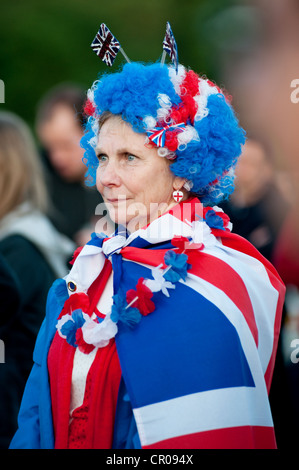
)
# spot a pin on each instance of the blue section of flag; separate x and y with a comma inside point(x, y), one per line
point(138, 242)
point(186, 329)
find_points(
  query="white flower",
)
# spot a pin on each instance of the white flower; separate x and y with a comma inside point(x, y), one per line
point(217, 209)
point(65, 319)
point(159, 282)
point(61, 322)
point(99, 334)
point(201, 233)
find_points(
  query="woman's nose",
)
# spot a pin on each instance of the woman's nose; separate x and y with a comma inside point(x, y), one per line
point(108, 174)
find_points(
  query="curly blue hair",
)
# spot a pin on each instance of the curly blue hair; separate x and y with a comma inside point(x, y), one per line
point(148, 96)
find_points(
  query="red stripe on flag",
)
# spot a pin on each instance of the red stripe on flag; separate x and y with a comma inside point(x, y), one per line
point(225, 278)
point(212, 270)
point(238, 243)
point(280, 287)
point(242, 437)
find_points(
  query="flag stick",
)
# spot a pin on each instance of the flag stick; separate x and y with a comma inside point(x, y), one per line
point(163, 57)
point(125, 55)
point(132, 302)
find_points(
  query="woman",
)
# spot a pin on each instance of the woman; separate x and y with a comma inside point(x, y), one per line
point(164, 335)
point(36, 255)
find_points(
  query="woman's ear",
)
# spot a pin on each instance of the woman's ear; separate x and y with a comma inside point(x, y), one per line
point(178, 183)
point(181, 184)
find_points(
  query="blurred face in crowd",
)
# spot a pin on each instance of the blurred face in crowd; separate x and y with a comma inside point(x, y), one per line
point(253, 174)
point(60, 136)
point(132, 178)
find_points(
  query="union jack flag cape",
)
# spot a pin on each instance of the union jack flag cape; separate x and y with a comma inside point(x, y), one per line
point(197, 369)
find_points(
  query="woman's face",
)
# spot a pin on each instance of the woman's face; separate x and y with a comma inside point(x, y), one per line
point(132, 178)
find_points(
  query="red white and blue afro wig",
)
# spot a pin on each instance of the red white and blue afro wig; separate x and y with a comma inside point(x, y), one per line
point(187, 117)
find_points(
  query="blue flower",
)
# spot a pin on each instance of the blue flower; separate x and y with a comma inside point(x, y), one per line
point(179, 266)
point(69, 329)
point(213, 220)
point(119, 313)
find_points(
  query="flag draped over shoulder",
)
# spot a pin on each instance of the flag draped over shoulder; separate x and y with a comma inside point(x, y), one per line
point(198, 368)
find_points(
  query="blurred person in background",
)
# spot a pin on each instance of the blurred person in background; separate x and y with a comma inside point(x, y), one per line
point(257, 208)
point(34, 251)
point(261, 72)
point(10, 295)
point(272, 109)
point(259, 61)
point(59, 126)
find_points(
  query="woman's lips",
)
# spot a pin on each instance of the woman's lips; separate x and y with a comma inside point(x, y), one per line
point(116, 200)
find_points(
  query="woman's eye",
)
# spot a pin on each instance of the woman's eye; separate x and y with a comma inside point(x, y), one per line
point(131, 158)
point(102, 158)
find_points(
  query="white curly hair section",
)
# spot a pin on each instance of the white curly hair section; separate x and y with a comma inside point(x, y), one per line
point(204, 91)
point(177, 78)
point(95, 129)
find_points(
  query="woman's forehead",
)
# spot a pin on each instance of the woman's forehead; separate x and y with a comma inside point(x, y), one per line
point(119, 133)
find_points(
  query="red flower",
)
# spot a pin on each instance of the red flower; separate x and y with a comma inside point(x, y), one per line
point(181, 243)
point(76, 254)
point(74, 302)
point(144, 303)
point(205, 210)
point(82, 345)
point(225, 219)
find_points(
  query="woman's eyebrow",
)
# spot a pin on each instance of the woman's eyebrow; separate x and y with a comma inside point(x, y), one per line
point(99, 151)
point(121, 151)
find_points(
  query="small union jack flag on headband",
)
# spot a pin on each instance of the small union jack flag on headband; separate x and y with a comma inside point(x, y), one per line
point(169, 45)
point(158, 134)
point(105, 45)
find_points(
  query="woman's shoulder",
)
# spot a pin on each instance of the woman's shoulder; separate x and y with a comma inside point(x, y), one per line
point(241, 245)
